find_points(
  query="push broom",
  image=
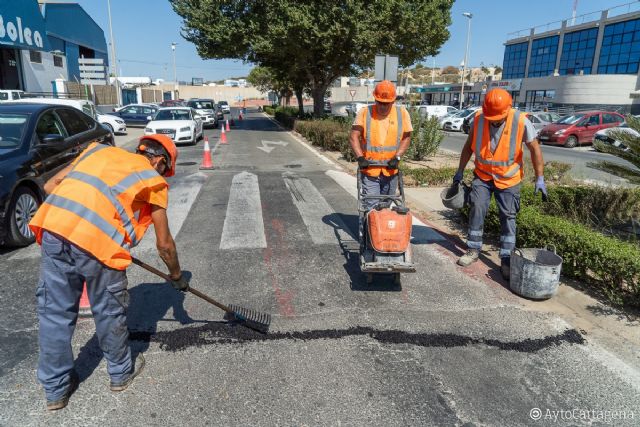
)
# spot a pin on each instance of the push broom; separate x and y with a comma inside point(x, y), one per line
point(252, 319)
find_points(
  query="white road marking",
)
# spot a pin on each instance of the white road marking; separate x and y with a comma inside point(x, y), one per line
point(321, 220)
point(421, 233)
point(266, 145)
point(183, 192)
point(243, 223)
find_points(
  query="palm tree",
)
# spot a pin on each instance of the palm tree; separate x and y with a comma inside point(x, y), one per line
point(631, 154)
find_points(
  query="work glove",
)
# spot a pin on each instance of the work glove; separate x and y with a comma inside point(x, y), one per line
point(393, 163)
point(457, 178)
point(541, 187)
point(362, 162)
point(182, 283)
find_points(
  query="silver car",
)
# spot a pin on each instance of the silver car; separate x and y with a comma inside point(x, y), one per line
point(541, 119)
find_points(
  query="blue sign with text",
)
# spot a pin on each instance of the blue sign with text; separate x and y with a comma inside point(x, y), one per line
point(22, 25)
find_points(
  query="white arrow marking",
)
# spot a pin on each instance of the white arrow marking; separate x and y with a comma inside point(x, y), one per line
point(266, 145)
point(243, 225)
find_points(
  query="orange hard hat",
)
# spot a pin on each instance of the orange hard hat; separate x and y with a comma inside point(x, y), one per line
point(497, 104)
point(385, 91)
point(170, 150)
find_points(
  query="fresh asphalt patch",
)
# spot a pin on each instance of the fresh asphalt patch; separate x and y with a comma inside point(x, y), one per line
point(217, 333)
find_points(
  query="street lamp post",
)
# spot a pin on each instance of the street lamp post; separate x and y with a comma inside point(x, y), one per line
point(466, 53)
point(175, 75)
point(113, 57)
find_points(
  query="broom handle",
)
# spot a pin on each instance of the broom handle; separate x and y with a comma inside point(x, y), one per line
point(190, 289)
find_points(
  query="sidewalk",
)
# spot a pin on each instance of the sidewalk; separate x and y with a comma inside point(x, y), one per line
point(615, 330)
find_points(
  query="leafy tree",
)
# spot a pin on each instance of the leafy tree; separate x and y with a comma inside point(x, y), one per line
point(262, 78)
point(631, 153)
point(498, 70)
point(315, 41)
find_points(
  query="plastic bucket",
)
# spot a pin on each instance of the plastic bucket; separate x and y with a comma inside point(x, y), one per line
point(535, 273)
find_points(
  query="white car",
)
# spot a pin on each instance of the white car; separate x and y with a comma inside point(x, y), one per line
point(206, 108)
point(182, 124)
point(224, 105)
point(113, 123)
point(606, 137)
point(455, 122)
point(450, 116)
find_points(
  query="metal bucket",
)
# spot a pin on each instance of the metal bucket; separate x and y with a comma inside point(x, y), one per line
point(535, 273)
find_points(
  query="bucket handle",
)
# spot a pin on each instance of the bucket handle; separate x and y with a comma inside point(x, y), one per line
point(517, 251)
point(552, 248)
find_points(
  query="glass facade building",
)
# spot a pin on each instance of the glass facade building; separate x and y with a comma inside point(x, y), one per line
point(543, 56)
point(620, 51)
point(515, 60)
point(578, 51)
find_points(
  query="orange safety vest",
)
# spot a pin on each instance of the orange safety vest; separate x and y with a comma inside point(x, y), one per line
point(378, 149)
point(504, 166)
point(95, 206)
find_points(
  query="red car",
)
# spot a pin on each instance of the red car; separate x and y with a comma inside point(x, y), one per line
point(173, 103)
point(578, 128)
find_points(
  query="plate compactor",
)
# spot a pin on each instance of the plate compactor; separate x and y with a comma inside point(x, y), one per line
point(384, 232)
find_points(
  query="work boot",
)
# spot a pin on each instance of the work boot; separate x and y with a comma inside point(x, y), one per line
point(137, 368)
point(505, 268)
point(54, 405)
point(469, 258)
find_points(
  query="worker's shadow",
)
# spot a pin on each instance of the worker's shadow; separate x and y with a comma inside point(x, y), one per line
point(149, 304)
point(345, 228)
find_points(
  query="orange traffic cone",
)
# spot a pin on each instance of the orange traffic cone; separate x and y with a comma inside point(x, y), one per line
point(228, 128)
point(223, 136)
point(85, 306)
point(207, 164)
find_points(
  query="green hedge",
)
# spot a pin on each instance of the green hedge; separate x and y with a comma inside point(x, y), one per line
point(433, 177)
point(605, 264)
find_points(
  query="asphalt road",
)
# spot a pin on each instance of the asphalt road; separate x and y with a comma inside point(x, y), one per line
point(271, 228)
point(579, 158)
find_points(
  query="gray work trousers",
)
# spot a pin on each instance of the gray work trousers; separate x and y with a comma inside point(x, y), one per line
point(376, 186)
point(63, 270)
point(508, 201)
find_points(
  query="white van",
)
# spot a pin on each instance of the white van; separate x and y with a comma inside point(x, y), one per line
point(10, 95)
point(438, 111)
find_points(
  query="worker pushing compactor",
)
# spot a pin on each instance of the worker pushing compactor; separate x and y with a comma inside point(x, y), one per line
point(97, 208)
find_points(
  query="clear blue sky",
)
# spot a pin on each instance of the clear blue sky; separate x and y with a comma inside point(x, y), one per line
point(144, 29)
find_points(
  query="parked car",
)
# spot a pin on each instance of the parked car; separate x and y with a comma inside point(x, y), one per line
point(443, 120)
point(607, 137)
point(136, 114)
point(206, 108)
point(37, 141)
point(455, 122)
point(10, 95)
point(436, 110)
point(224, 105)
point(540, 119)
point(173, 103)
point(182, 124)
point(578, 128)
point(114, 124)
